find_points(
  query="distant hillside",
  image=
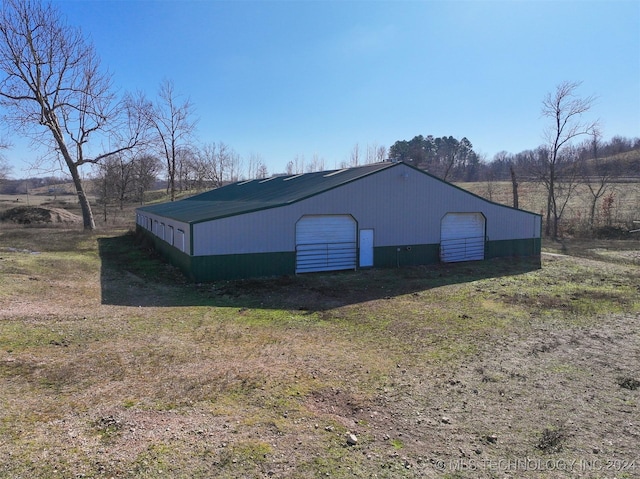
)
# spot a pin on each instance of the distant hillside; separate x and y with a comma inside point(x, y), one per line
point(37, 186)
point(624, 165)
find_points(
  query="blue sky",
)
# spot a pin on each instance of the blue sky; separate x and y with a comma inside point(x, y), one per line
point(280, 79)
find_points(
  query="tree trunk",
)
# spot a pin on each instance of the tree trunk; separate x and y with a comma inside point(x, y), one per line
point(554, 211)
point(514, 186)
point(87, 215)
point(592, 213)
point(172, 173)
point(547, 228)
point(551, 206)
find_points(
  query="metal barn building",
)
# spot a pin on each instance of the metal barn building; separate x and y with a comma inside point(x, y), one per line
point(380, 215)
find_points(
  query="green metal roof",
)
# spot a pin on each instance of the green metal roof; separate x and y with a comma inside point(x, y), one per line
point(254, 195)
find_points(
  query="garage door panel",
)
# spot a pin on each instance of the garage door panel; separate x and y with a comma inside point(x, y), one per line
point(462, 237)
point(466, 249)
point(325, 243)
point(325, 257)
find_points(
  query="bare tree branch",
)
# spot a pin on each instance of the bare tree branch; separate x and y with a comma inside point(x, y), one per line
point(566, 110)
point(56, 92)
point(173, 124)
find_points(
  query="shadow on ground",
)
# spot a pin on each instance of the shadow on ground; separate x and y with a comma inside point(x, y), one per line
point(133, 275)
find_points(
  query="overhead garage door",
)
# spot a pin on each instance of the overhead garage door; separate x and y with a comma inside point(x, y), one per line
point(462, 237)
point(325, 243)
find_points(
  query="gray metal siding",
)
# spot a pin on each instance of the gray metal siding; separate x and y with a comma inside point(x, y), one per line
point(166, 229)
point(403, 205)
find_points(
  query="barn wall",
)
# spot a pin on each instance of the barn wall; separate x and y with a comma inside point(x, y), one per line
point(404, 207)
point(516, 247)
point(172, 254)
point(160, 227)
point(407, 255)
point(240, 266)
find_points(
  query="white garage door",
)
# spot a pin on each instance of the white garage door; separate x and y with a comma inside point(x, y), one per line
point(462, 237)
point(325, 243)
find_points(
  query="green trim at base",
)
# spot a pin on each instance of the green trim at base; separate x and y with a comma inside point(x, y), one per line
point(171, 254)
point(405, 255)
point(516, 247)
point(242, 266)
point(255, 265)
point(202, 269)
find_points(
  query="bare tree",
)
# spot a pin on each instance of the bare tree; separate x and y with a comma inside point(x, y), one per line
point(565, 110)
point(122, 178)
point(172, 121)
point(56, 92)
point(104, 186)
point(211, 170)
point(371, 153)
point(198, 170)
point(317, 164)
point(125, 184)
point(219, 163)
point(115, 182)
point(187, 169)
point(289, 168)
point(262, 172)
point(596, 175)
point(233, 162)
point(145, 169)
point(298, 164)
point(257, 167)
point(355, 156)
point(255, 160)
point(514, 184)
point(5, 168)
point(375, 153)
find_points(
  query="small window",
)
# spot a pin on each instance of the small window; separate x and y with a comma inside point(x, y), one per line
point(180, 240)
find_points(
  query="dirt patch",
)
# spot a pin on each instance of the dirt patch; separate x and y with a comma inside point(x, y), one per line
point(27, 215)
point(119, 370)
point(628, 383)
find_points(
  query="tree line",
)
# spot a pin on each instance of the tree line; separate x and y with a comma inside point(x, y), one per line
point(455, 160)
point(594, 157)
point(56, 92)
point(445, 157)
point(574, 155)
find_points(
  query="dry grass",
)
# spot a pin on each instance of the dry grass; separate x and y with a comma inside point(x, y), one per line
point(532, 197)
point(10, 201)
point(112, 366)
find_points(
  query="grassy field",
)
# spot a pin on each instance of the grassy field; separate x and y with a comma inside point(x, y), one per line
point(111, 365)
point(533, 197)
